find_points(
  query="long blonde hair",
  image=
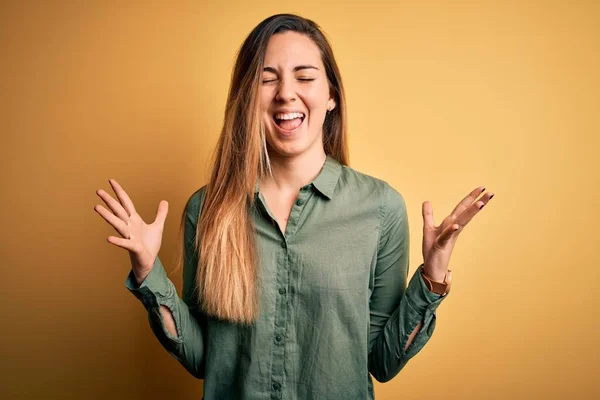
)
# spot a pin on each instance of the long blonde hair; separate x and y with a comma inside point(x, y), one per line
point(228, 264)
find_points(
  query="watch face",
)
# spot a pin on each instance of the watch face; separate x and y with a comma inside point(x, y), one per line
point(440, 289)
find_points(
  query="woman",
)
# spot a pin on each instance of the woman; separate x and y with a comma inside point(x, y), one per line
point(295, 265)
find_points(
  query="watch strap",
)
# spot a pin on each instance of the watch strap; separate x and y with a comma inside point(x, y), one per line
point(441, 288)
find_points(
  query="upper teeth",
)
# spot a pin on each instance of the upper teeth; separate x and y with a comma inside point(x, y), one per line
point(289, 115)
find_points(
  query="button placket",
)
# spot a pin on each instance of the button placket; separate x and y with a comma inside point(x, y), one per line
point(278, 353)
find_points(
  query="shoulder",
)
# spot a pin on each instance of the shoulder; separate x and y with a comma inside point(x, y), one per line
point(194, 203)
point(371, 188)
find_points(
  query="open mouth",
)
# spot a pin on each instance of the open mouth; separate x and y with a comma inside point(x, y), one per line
point(289, 122)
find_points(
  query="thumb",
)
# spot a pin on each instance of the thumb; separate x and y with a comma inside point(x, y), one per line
point(427, 212)
point(161, 212)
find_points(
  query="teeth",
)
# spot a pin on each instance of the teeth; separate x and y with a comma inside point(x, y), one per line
point(289, 115)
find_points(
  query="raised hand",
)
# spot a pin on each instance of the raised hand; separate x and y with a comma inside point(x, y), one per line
point(438, 241)
point(140, 239)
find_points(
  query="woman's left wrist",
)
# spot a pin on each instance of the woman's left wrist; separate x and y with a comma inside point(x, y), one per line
point(435, 276)
point(442, 286)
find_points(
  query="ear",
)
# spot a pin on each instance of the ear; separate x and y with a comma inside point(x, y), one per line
point(331, 104)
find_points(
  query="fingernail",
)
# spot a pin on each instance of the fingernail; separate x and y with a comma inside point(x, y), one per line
point(482, 189)
point(492, 195)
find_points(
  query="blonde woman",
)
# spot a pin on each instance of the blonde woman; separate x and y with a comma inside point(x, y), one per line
point(295, 266)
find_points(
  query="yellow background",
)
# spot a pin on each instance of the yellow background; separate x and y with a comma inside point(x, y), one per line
point(442, 97)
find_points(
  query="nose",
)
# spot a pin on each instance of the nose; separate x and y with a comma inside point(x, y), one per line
point(286, 91)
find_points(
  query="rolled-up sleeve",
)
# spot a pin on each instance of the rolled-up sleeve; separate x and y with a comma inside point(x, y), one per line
point(157, 290)
point(395, 307)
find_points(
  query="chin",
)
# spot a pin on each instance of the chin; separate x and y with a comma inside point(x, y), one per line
point(289, 149)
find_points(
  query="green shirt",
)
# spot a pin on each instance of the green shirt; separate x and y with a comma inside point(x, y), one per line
point(335, 303)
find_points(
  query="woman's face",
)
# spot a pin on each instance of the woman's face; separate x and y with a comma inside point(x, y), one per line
point(294, 95)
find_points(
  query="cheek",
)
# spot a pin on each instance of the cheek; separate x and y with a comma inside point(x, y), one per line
point(266, 97)
point(317, 100)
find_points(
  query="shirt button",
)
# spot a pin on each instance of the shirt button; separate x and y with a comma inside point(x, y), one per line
point(299, 202)
point(282, 291)
point(278, 338)
point(283, 245)
point(276, 386)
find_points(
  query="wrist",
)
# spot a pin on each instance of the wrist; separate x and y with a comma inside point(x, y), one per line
point(140, 277)
point(435, 276)
point(439, 287)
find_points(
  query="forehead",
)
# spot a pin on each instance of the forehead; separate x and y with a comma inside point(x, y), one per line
point(288, 49)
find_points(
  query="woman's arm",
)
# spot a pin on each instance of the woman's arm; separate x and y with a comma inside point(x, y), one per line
point(170, 318)
point(402, 316)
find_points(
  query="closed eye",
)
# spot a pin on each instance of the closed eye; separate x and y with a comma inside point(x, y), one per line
point(300, 79)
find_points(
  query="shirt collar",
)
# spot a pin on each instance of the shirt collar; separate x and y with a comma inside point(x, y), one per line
point(327, 179)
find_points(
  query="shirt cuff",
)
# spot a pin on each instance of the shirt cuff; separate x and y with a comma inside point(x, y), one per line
point(419, 297)
point(156, 284)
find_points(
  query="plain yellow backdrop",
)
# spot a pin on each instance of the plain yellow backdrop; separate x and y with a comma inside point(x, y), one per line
point(442, 97)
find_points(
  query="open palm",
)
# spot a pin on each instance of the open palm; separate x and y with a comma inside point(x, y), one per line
point(140, 239)
point(439, 241)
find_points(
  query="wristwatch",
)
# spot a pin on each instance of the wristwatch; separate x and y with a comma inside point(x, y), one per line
point(441, 288)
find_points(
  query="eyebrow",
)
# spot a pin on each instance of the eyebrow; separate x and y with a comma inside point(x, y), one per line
point(297, 68)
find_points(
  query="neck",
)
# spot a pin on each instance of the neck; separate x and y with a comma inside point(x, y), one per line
point(292, 173)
